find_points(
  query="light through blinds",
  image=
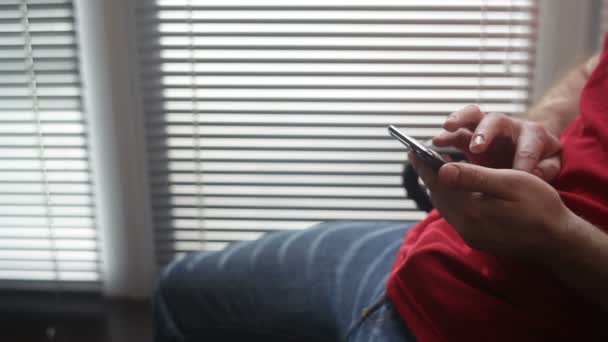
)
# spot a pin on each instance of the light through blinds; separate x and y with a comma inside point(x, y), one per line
point(270, 115)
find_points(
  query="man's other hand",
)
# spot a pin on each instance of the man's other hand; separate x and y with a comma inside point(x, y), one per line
point(500, 141)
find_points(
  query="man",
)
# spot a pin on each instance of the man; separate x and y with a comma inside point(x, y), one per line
point(514, 252)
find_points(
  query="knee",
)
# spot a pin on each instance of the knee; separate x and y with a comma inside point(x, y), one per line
point(184, 298)
point(166, 324)
point(175, 300)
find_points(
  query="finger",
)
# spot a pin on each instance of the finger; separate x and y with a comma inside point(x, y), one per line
point(491, 126)
point(530, 147)
point(459, 139)
point(548, 168)
point(468, 117)
point(473, 178)
point(424, 171)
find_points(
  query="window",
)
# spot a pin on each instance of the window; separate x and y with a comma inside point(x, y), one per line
point(218, 121)
point(269, 115)
point(47, 228)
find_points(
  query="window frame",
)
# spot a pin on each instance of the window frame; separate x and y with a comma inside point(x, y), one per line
point(563, 46)
point(110, 95)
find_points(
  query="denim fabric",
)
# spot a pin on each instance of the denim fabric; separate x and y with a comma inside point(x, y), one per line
point(307, 285)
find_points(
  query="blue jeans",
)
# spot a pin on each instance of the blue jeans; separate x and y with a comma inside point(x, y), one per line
point(308, 285)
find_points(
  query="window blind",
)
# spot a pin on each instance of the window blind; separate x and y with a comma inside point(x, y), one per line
point(47, 229)
point(268, 115)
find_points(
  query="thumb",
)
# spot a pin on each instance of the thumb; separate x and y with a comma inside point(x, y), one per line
point(475, 178)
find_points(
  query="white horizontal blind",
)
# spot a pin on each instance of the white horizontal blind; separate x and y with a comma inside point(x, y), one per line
point(265, 115)
point(47, 230)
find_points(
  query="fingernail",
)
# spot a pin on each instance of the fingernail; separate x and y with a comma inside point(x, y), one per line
point(451, 118)
point(478, 140)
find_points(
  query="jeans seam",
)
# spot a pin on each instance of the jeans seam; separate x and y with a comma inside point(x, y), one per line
point(368, 312)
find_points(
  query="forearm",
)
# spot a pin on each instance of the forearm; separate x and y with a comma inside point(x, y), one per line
point(560, 105)
point(579, 257)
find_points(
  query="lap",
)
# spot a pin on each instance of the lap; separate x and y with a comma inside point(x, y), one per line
point(311, 283)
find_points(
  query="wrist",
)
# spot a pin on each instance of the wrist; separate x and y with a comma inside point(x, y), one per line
point(552, 125)
point(562, 236)
point(553, 114)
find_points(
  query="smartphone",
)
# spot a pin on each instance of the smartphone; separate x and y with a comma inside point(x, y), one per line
point(426, 154)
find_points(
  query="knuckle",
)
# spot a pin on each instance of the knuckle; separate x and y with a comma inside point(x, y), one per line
point(471, 112)
point(534, 126)
point(496, 115)
point(497, 118)
point(463, 133)
point(496, 121)
point(472, 108)
point(528, 153)
point(537, 130)
point(453, 116)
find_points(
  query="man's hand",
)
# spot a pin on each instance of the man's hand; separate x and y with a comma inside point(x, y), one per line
point(499, 141)
point(500, 211)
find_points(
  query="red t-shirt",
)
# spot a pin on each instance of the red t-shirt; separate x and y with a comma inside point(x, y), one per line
point(446, 291)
